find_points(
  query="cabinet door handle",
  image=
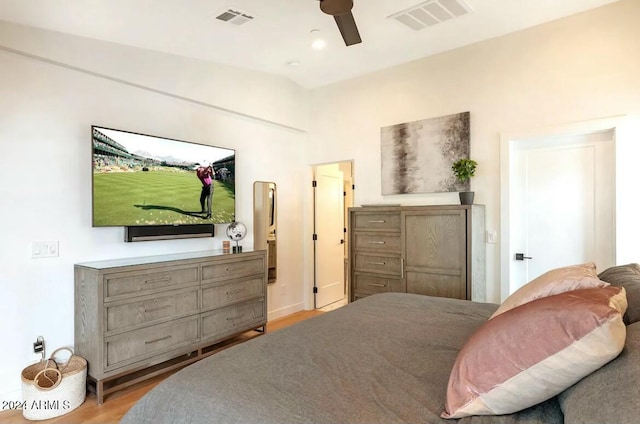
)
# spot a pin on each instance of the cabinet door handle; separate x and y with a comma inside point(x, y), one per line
point(376, 242)
point(380, 221)
point(158, 340)
point(402, 268)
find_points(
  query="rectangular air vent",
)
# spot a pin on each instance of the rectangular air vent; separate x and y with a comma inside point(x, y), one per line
point(431, 12)
point(234, 17)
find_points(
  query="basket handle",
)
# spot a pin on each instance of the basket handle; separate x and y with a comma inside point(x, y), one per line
point(44, 388)
point(68, 349)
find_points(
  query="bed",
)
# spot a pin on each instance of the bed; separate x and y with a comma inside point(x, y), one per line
point(382, 359)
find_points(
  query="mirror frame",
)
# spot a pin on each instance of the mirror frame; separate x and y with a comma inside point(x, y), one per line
point(265, 222)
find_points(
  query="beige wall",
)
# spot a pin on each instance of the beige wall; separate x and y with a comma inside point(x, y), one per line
point(52, 89)
point(579, 68)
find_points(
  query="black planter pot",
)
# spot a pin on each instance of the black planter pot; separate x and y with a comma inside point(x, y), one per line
point(466, 197)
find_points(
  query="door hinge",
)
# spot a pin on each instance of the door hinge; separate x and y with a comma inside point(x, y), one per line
point(315, 237)
point(314, 183)
point(315, 290)
point(344, 230)
point(353, 186)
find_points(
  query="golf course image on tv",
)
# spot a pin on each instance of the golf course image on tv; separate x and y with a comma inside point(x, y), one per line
point(141, 180)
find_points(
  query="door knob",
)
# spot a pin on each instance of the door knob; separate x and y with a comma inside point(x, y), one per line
point(521, 257)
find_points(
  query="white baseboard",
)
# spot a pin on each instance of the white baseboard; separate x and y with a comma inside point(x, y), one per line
point(282, 312)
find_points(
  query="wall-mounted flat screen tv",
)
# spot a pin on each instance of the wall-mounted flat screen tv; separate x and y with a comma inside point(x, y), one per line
point(144, 180)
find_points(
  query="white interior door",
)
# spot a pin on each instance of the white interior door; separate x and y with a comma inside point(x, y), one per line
point(329, 230)
point(562, 204)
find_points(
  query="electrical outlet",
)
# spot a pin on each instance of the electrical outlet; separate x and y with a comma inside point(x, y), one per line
point(38, 345)
point(492, 236)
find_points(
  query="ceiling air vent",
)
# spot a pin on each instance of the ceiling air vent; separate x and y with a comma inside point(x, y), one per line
point(234, 17)
point(431, 12)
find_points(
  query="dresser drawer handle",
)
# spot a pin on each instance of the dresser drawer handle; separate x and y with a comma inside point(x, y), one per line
point(158, 340)
point(376, 285)
point(235, 292)
point(377, 263)
point(376, 242)
point(234, 318)
point(159, 308)
point(380, 221)
point(158, 280)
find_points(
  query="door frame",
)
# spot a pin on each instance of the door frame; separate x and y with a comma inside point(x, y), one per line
point(348, 202)
point(509, 142)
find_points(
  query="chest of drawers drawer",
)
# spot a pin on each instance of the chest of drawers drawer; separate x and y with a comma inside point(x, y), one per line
point(366, 284)
point(140, 344)
point(388, 221)
point(377, 242)
point(118, 285)
point(232, 269)
point(379, 264)
point(123, 316)
point(233, 291)
point(223, 321)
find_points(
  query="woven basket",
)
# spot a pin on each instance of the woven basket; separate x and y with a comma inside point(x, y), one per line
point(51, 389)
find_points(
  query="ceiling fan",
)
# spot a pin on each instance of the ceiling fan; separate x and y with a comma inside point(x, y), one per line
point(341, 12)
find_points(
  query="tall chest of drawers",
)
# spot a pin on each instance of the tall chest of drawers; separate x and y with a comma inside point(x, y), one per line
point(429, 250)
point(138, 317)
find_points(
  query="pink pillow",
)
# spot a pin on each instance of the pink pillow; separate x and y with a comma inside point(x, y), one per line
point(535, 351)
point(552, 282)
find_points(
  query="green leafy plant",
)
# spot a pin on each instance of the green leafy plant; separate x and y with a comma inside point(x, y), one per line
point(464, 169)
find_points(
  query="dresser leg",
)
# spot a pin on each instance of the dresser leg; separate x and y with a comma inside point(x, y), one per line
point(99, 392)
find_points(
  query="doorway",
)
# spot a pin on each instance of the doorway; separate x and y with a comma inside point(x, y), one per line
point(558, 191)
point(333, 195)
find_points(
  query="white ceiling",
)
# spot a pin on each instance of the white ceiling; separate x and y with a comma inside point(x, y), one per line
point(280, 31)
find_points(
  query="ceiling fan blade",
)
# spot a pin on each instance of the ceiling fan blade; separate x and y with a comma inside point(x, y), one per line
point(348, 29)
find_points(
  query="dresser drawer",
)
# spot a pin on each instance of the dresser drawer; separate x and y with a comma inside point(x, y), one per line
point(365, 284)
point(379, 264)
point(128, 283)
point(389, 221)
point(174, 304)
point(141, 344)
point(232, 269)
point(377, 242)
point(216, 296)
point(232, 319)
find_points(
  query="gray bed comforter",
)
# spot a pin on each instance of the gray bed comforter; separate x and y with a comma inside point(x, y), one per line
point(383, 359)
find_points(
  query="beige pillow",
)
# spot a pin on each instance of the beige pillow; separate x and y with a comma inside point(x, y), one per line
point(556, 281)
point(535, 351)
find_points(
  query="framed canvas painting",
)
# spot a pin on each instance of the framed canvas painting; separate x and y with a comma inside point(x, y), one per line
point(417, 156)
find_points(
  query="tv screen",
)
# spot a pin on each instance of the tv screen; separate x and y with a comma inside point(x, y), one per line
point(143, 180)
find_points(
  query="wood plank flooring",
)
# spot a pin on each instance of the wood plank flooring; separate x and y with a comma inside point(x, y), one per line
point(117, 404)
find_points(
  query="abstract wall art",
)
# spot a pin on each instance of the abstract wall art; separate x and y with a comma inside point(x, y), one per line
point(417, 156)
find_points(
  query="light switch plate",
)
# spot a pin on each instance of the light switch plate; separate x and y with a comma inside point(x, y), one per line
point(44, 249)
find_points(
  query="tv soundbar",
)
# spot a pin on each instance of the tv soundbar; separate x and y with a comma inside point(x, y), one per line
point(167, 232)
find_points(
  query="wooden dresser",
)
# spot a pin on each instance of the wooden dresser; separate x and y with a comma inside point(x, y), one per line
point(136, 318)
point(429, 250)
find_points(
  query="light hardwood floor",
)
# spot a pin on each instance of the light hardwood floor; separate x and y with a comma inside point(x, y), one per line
point(117, 404)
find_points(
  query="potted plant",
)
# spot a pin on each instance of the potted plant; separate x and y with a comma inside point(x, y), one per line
point(464, 169)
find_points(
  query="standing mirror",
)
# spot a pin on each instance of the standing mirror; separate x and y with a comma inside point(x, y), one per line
point(264, 223)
